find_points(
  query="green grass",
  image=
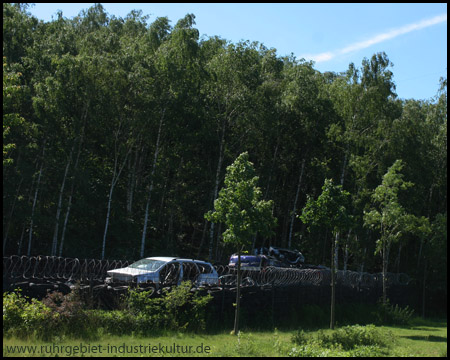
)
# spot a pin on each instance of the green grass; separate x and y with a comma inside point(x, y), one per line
point(421, 338)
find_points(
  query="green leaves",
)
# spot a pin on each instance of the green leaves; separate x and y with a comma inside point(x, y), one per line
point(388, 215)
point(330, 209)
point(239, 205)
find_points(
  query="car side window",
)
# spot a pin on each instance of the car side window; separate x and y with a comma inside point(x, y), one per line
point(204, 268)
point(170, 273)
point(190, 271)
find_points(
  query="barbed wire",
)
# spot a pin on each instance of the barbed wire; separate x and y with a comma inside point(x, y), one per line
point(22, 268)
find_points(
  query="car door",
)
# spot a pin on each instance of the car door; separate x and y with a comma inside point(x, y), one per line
point(169, 274)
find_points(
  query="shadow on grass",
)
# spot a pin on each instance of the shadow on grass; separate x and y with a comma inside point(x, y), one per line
point(423, 328)
point(419, 322)
point(431, 338)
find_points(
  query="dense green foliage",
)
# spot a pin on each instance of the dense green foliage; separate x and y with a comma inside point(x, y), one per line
point(117, 133)
point(240, 207)
point(66, 315)
point(351, 341)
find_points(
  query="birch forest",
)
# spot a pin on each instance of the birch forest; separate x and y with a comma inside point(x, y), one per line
point(117, 133)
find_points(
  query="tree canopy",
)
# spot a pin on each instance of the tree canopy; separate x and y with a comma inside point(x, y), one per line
point(118, 132)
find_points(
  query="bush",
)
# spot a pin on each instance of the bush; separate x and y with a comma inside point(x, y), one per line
point(22, 317)
point(299, 338)
point(354, 341)
point(388, 314)
point(177, 309)
point(350, 337)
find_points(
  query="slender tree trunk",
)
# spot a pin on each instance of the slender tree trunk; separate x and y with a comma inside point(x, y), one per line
point(216, 190)
point(205, 227)
point(116, 176)
point(69, 201)
point(59, 206)
point(346, 250)
point(295, 203)
point(419, 256)
point(333, 286)
point(30, 234)
point(161, 214)
point(238, 295)
point(271, 170)
point(131, 184)
point(336, 242)
point(336, 251)
point(424, 287)
point(19, 248)
point(5, 237)
point(150, 189)
point(324, 252)
point(397, 260)
point(75, 168)
point(361, 268)
point(386, 248)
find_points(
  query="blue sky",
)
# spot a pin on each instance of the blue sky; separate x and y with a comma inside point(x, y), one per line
point(414, 36)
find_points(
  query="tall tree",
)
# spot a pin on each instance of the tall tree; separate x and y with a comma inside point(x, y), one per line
point(388, 215)
point(330, 210)
point(240, 208)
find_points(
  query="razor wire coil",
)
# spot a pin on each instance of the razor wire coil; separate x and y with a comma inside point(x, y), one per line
point(20, 268)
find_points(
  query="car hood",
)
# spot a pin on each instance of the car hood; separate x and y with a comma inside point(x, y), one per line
point(128, 271)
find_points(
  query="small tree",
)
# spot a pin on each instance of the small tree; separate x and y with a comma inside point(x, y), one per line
point(330, 210)
point(239, 207)
point(389, 217)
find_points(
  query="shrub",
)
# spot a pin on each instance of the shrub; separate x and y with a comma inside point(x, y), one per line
point(350, 337)
point(22, 317)
point(177, 308)
point(354, 341)
point(66, 306)
point(58, 315)
point(299, 338)
point(388, 314)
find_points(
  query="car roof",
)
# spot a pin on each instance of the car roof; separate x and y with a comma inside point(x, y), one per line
point(162, 258)
point(168, 259)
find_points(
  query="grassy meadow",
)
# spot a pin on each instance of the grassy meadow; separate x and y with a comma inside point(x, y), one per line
point(426, 338)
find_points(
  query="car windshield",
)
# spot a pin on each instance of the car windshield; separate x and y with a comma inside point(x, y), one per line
point(147, 264)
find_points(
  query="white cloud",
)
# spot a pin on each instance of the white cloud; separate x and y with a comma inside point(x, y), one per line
point(326, 56)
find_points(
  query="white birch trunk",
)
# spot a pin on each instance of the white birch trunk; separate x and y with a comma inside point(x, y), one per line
point(69, 202)
point(155, 158)
point(346, 250)
point(216, 191)
point(5, 238)
point(111, 190)
point(131, 185)
point(75, 167)
point(59, 206)
point(295, 204)
point(30, 234)
point(19, 249)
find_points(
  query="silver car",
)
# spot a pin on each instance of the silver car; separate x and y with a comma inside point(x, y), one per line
point(165, 271)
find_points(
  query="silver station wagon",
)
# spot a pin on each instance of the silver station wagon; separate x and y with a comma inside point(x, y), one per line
point(165, 271)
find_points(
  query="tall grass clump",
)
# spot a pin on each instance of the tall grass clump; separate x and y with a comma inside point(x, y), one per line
point(352, 341)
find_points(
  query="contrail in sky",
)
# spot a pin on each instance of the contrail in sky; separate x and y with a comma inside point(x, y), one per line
point(377, 39)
